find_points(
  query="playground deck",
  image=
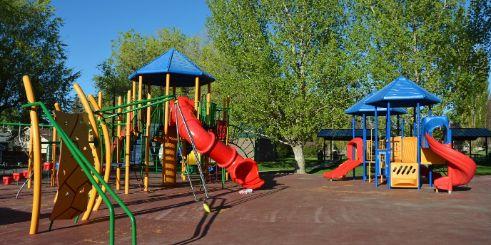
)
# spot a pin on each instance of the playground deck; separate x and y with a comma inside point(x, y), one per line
point(296, 209)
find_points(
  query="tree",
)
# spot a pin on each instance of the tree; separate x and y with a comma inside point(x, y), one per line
point(438, 44)
point(287, 73)
point(29, 33)
point(131, 50)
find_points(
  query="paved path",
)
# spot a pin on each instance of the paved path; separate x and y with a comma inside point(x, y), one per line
point(294, 209)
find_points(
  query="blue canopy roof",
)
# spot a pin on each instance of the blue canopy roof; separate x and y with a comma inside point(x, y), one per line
point(183, 71)
point(402, 92)
point(360, 108)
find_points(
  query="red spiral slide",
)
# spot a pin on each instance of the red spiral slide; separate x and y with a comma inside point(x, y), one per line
point(461, 168)
point(242, 171)
point(350, 164)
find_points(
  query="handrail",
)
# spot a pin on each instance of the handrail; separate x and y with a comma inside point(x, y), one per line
point(137, 102)
point(90, 172)
point(162, 100)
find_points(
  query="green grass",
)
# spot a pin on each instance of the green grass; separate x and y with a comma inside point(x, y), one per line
point(286, 165)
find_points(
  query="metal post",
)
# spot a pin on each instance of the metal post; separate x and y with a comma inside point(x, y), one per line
point(414, 121)
point(364, 124)
point(387, 147)
point(375, 141)
point(353, 124)
point(418, 153)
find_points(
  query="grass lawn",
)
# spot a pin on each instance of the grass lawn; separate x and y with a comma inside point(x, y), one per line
point(315, 167)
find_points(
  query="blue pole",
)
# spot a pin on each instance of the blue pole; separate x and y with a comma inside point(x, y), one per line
point(353, 123)
point(418, 153)
point(398, 125)
point(364, 123)
point(375, 138)
point(387, 144)
point(402, 127)
point(414, 121)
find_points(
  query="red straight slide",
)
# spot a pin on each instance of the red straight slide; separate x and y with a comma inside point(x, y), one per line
point(242, 171)
point(461, 168)
point(350, 164)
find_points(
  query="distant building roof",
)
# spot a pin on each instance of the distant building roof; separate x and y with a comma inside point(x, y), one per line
point(402, 92)
point(341, 134)
point(470, 133)
point(183, 71)
point(360, 108)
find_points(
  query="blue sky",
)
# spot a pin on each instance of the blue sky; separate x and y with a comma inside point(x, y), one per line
point(91, 25)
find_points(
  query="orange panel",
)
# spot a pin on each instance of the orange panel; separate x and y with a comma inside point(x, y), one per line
point(74, 186)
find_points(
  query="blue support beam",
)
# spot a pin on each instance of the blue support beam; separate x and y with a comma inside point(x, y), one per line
point(418, 153)
point(364, 123)
point(375, 139)
point(387, 148)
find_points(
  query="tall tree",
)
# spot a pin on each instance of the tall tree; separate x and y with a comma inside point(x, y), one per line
point(29, 33)
point(131, 50)
point(434, 43)
point(287, 74)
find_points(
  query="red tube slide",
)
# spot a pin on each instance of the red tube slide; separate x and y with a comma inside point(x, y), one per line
point(242, 171)
point(350, 164)
point(461, 168)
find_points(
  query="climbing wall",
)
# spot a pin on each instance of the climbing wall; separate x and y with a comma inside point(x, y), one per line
point(74, 186)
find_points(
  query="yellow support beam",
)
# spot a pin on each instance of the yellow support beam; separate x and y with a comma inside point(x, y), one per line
point(118, 144)
point(36, 157)
point(107, 146)
point(147, 142)
point(127, 148)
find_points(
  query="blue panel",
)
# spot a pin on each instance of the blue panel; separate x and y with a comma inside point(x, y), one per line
point(432, 123)
point(361, 108)
point(402, 92)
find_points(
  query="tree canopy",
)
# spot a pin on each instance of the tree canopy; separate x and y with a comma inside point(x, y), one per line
point(292, 67)
point(29, 33)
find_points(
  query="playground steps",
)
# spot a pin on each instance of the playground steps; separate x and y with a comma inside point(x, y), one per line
point(404, 175)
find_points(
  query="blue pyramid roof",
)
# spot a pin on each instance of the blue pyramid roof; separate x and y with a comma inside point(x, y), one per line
point(402, 92)
point(360, 108)
point(183, 71)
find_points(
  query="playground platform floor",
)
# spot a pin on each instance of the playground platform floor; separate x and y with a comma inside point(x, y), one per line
point(292, 209)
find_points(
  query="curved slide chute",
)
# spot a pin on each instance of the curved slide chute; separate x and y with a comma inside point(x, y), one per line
point(461, 168)
point(242, 171)
point(350, 164)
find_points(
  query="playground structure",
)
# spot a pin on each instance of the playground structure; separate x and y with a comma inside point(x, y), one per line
point(402, 160)
point(87, 146)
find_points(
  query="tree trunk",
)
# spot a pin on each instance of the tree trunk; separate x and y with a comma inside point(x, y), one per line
point(298, 152)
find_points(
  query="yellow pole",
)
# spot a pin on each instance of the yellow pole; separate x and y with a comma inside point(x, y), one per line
point(140, 88)
point(196, 93)
point(118, 142)
point(55, 171)
point(167, 91)
point(94, 149)
point(36, 150)
point(147, 142)
point(133, 98)
point(225, 114)
point(208, 100)
point(99, 99)
point(166, 122)
point(107, 147)
point(29, 163)
point(53, 151)
point(127, 148)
